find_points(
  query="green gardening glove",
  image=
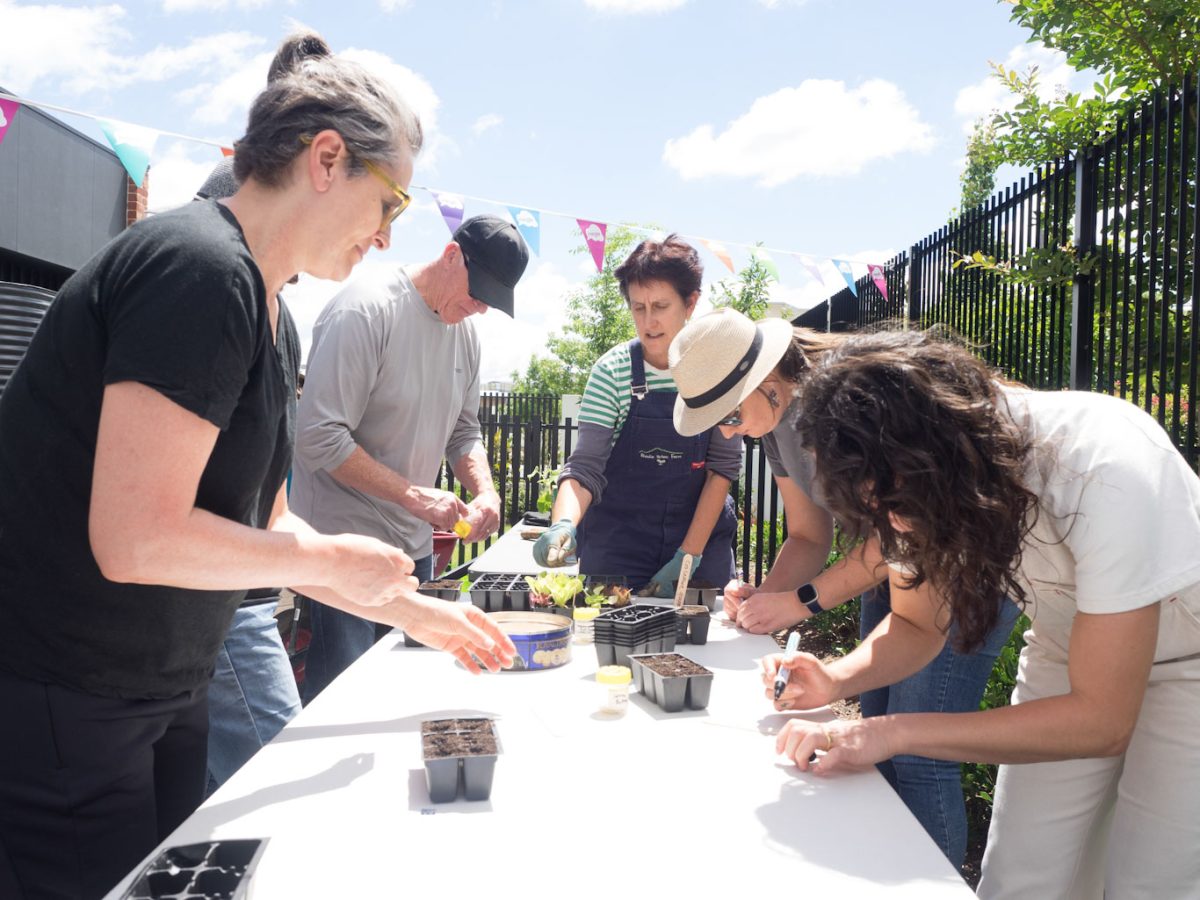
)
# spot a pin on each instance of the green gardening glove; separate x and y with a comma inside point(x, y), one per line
point(556, 546)
point(664, 580)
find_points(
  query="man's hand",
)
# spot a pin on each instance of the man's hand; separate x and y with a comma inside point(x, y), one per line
point(484, 516)
point(556, 546)
point(766, 613)
point(441, 509)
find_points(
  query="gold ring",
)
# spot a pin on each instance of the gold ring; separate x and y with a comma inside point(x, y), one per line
point(828, 738)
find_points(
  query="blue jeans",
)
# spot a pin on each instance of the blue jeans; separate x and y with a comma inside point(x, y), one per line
point(952, 682)
point(339, 638)
point(253, 692)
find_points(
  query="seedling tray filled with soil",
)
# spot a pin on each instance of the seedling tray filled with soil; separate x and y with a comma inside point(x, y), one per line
point(691, 624)
point(672, 681)
point(702, 593)
point(444, 589)
point(459, 752)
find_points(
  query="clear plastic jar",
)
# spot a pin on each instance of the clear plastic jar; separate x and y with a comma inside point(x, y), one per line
point(585, 624)
point(614, 689)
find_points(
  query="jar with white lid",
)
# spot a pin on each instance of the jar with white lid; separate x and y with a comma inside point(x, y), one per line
point(614, 689)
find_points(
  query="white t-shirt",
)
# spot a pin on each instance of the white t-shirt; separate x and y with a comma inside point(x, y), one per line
point(1118, 524)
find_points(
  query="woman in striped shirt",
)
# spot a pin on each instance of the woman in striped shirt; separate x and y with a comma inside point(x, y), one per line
point(635, 495)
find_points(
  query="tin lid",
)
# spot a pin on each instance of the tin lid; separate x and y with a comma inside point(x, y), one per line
point(585, 613)
point(614, 675)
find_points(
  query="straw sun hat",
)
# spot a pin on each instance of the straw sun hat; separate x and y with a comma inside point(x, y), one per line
point(718, 360)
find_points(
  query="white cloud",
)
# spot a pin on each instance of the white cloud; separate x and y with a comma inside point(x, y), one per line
point(186, 6)
point(416, 91)
point(819, 128)
point(80, 50)
point(389, 6)
point(178, 172)
point(483, 123)
point(1055, 75)
point(634, 7)
point(226, 101)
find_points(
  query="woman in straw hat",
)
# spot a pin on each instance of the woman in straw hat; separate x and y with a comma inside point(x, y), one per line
point(1077, 505)
point(640, 495)
point(144, 442)
point(745, 378)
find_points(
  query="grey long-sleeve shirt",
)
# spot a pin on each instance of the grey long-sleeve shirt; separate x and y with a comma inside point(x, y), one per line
point(387, 375)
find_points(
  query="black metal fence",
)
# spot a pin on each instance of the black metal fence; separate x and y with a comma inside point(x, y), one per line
point(526, 454)
point(1105, 244)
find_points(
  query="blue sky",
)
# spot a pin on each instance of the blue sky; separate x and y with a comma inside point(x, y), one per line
point(831, 128)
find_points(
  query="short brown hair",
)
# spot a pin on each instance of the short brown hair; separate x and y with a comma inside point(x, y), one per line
point(671, 260)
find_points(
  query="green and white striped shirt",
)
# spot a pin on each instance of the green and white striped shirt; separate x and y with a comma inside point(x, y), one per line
point(606, 397)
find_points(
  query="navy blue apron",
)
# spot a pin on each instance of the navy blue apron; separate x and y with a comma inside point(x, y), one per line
point(655, 476)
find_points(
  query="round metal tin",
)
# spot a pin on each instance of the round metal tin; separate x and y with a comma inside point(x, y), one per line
point(543, 640)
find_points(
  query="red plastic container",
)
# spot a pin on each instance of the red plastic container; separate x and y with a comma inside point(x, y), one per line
point(443, 548)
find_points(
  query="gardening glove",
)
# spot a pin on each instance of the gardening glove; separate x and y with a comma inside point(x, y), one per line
point(664, 580)
point(556, 546)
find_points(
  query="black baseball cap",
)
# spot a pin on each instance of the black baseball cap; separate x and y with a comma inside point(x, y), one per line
point(496, 258)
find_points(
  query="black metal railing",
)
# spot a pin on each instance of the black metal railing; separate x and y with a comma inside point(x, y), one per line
point(1106, 244)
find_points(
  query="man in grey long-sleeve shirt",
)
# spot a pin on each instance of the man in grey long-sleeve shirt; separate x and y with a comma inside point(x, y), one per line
point(392, 387)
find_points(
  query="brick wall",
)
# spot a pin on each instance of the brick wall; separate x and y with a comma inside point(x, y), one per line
point(135, 199)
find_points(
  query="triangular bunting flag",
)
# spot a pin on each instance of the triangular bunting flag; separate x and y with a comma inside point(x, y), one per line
point(877, 277)
point(529, 223)
point(718, 250)
point(843, 266)
point(810, 264)
point(227, 151)
point(133, 145)
point(596, 234)
point(8, 109)
point(765, 260)
point(452, 207)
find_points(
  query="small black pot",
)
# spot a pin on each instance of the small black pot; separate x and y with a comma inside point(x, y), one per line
point(669, 691)
point(691, 624)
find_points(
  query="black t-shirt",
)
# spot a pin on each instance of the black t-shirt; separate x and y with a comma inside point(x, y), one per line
point(176, 303)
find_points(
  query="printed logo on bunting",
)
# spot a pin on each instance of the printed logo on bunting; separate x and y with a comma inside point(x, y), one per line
point(596, 234)
point(847, 271)
point(529, 223)
point(451, 206)
point(8, 109)
point(877, 277)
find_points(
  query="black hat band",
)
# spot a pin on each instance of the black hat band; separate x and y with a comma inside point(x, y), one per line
point(726, 383)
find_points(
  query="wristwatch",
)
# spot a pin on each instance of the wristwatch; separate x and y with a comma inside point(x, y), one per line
point(808, 596)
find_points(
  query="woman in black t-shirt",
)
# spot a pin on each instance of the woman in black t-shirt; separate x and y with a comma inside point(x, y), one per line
point(144, 443)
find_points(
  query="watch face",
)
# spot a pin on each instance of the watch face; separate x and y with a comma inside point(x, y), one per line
point(807, 593)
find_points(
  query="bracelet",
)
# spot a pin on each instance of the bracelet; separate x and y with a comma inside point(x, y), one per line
point(808, 596)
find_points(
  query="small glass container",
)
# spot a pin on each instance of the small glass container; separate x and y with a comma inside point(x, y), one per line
point(585, 624)
point(614, 689)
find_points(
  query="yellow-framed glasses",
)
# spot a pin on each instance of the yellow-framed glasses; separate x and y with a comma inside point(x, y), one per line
point(403, 198)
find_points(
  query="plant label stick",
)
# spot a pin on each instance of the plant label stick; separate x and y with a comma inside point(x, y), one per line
point(685, 574)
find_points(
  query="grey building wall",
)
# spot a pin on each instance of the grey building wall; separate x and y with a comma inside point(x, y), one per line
point(62, 195)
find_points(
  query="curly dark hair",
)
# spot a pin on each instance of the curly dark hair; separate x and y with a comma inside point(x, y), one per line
point(907, 426)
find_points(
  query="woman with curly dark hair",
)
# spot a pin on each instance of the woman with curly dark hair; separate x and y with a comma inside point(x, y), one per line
point(1077, 506)
point(721, 365)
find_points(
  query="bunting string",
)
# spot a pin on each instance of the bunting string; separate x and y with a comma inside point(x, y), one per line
point(134, 144)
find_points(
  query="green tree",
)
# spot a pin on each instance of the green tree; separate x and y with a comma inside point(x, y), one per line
point(978, 178)
point(748, 293)
point(598, 319)
point(1133, 46)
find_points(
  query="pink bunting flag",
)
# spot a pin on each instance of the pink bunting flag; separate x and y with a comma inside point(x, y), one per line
point(718, 250)
point(452, 207)
point(877, 277)
point(596, 234)
point(8, 109)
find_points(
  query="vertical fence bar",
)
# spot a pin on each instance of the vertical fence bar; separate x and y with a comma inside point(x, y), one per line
point(1191, 451)
point(1083, 289)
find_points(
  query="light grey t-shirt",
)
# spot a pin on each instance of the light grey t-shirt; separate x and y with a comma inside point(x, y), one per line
point(385, 374)
point(787, 458)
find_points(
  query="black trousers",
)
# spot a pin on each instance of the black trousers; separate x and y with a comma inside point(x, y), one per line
point(89, 785)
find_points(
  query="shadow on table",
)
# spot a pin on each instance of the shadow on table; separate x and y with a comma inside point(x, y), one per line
point(339, 775)
point(381, 726)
